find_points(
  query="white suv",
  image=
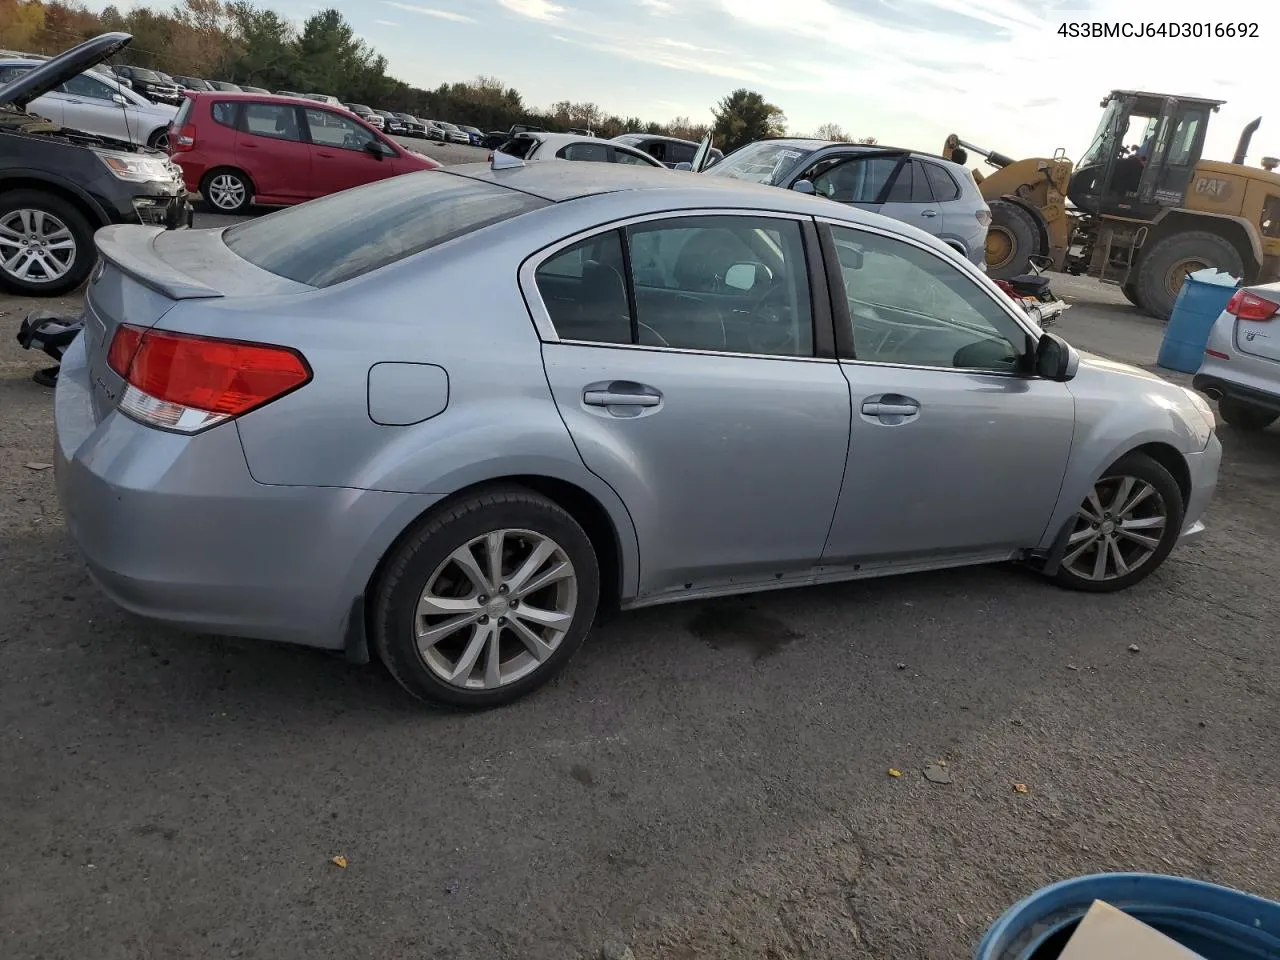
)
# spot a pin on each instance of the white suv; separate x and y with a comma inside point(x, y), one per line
point(98, 104)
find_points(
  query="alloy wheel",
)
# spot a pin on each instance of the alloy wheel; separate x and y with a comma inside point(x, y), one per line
point(227, 191)
point(496, 609)
point(35, 246)
point(1118, 528)
point(161, 142)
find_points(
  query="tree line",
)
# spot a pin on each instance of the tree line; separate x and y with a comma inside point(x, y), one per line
point(241, 42)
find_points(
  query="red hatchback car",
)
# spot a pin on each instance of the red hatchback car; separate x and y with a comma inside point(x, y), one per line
point(241, 148)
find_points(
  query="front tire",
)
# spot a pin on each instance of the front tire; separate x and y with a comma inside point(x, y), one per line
point(227, 190)
point(1013, 238)
point(1131, 294)
point(1124, 529)
point(159, 140)
point(1242, 416)
point(486, 600)
point(46, 244)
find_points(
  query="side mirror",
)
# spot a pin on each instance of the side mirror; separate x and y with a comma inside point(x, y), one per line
point(850, 257)
point(686, 165)
point(379, 149)
point(804, 186)
point(745, 276)
point(119, 100)
point(1055, 359)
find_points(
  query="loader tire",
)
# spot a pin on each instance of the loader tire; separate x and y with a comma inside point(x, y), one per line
point(1131, 294)
point(1012, 239)
point(1163, 268)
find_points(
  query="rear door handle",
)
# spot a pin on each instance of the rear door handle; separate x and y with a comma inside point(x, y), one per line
point(610, 398)
point(928, 213)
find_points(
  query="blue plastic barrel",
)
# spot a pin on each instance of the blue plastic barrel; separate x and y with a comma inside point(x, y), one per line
point(1200, 302)
point(1216, 922)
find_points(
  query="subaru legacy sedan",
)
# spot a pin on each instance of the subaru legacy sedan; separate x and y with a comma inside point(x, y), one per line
point(666, 387)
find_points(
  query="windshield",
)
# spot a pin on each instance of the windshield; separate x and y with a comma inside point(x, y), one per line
point(1096, 154)
point(347, 234)
point(762, 162)
point(448, 126)
point(142, 74)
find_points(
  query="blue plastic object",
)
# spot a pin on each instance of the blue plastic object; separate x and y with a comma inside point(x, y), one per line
point(1216, 922)
point(1200, 302)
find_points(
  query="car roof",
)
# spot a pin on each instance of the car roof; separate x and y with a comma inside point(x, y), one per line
point(814, 144)
point(558, 182)
point(249, 95)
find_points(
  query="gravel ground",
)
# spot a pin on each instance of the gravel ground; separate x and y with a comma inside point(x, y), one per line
point(708, 780)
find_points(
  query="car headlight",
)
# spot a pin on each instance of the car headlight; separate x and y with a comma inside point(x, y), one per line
point(1204, 430)
point(138, 169)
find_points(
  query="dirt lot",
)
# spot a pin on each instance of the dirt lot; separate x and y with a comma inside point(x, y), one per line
point(707, 781)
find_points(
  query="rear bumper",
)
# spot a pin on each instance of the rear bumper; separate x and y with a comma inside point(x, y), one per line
point(174, 529)
point(1216, 386)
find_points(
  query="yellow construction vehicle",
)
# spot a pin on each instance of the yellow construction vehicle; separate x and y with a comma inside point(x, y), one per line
point(1140, 209)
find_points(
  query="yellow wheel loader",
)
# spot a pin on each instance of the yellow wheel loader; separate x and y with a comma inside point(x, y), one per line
point(1141, 209)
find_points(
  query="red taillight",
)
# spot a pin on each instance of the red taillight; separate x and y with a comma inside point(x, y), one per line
point(187, 383)
point(1250, 306)
point(1216, 354)
point(185, 140)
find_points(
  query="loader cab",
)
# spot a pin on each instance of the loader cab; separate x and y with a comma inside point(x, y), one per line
point(1143, 154)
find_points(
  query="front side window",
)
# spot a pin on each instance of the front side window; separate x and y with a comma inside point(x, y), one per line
point(330, 130)
point(909, 306)
point(85, 86)
point(863, 179)
point(622, 155)
point(276, 120)
point(728, 284)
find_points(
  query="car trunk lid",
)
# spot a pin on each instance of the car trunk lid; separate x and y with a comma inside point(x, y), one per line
point(1257, 320)
point(143, 274)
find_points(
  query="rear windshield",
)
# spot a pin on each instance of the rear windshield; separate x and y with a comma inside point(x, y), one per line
point(347, 234)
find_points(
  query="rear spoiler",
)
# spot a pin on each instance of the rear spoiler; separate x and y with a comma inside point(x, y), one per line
point(131, 250)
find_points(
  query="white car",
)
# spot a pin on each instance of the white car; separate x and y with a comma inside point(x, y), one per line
point(569, 146)
point(98, 104)
point(451, 133)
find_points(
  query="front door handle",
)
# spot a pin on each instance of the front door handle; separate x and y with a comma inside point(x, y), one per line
point(890, 408)
point(928, 213)
point(610, 398)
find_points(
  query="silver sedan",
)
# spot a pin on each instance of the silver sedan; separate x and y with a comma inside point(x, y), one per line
point(663, 388)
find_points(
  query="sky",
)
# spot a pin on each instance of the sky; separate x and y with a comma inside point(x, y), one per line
point(908, 72)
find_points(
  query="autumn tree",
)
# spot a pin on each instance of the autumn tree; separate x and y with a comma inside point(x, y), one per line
point(21, 22)
point(832, 131)
point(744, 116)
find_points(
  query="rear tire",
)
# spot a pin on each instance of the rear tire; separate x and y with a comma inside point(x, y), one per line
point(227, 190)
point(57, 231)
point(159, 140)
point(1243, 416)
point(450, 635)
point(1131, 294)
point(1012, 239)
point(1133, 541)
point(1160, 268)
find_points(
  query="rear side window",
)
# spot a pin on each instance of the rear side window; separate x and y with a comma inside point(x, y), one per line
point(347, 234)
point(944, 186)
point(223, 112)
point(276, 120)
point(597, 152)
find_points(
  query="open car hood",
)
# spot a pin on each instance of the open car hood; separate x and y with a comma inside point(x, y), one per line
point(40, 80)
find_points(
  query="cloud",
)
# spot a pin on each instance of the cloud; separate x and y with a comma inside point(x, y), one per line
point(427, 12)
point(534, 9)
point(661, 7)
point(386, 23)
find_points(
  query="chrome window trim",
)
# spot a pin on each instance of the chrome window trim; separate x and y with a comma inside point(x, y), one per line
point(528, 282)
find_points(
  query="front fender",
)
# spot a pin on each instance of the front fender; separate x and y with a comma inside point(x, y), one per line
point(1119, 409)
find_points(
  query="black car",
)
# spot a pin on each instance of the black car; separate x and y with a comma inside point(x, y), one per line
point(150, 84)
point(58, 186)
point(192, 83)
point(669, 151)
point(391, 123)
point(413, 127)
